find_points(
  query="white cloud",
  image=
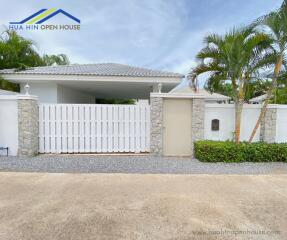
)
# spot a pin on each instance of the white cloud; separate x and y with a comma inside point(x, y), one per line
point(160, 34)
point(184, 67)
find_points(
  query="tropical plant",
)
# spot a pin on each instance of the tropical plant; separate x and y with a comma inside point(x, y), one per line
point(221, 87)
point(235, 57)
point(275, 26)
point(20, 53)
point(9, 86)
point(17, 52)
point(60, 59)
point(115, 101)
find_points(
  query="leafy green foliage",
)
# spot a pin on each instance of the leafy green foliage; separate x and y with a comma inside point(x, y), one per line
point(250, 52)
point(220, 151)
point(115, 101)
point(17, 52)
point(9, 86)
point(235, 57)
point(20, 53)
point(60, 59)
point(280, 96)
point(280, 93)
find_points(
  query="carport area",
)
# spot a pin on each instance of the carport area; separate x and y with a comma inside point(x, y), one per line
point(83, 83)
point(119, 206)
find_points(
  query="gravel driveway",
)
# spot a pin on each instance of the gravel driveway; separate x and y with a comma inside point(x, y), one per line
point(132, 164)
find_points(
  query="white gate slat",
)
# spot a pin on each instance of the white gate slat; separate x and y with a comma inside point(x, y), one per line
point(58, 128)
point(81, 130)
point(70, 128)
point(99, 128)
point(127, 128)
point(47, 128)
point(110, 129)
point(53, 128)
point(41, 129)
point(132, 128)
point(78, 128)
point(104, 129)
point(116, 128)
point(93, 129)
point(147, 120)
point(143, 130)
point(121, 129)
point(137, 130)
point(87, 123)
point(75, 128)
point(64, 129)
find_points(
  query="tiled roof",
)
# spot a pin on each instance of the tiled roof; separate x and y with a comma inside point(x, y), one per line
point(258, 99)
point(203, 92)
point(101, 69)
point(5, 92)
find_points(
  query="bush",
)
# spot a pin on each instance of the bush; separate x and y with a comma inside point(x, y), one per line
point(218, 151)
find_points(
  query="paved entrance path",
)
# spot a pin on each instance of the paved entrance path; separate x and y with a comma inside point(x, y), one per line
point(133, 164)
point(131, 206)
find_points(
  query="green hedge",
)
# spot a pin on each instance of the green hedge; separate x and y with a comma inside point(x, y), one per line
point(218, 151)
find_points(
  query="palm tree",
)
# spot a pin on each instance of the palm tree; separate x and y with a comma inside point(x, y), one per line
point(60, 59)
point(17, 52)
point(235, 57)
point(275, 25)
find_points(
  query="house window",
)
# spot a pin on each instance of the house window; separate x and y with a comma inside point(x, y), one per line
point(215, 125)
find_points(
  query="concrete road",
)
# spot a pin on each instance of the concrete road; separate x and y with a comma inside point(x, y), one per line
point(118, 206)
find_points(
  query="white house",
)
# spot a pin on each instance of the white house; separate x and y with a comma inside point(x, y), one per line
point(209, 97)
point(258, 100)
point(80, 83)
point(4, 92)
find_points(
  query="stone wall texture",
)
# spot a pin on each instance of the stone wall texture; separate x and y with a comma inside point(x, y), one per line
point(156, 108)
point(28, 117)
point(156, 131)
point(198, 112)
point(268, 126)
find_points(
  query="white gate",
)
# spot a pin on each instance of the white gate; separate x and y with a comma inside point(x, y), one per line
point(93, 128)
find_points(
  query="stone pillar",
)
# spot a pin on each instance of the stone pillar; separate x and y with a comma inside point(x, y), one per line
point(268, 126)
point(28, 129)
point(156, 127)
point(198, 112)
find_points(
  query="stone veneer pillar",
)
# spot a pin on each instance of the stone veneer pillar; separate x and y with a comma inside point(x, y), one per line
point(197, 120)
point(28, 129)
point(156, 108)
point(268, 126)
point(156, 131)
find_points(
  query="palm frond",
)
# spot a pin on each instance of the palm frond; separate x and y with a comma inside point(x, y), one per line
point(208, 52)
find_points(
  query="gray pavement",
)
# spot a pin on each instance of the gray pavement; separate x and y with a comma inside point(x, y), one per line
point(50, 206)
point(132, 164)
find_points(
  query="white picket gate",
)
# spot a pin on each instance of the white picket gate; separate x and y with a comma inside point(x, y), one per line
point(93, 128)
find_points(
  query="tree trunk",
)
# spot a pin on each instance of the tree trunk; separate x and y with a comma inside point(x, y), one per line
point(269, 95)
point(238, 113)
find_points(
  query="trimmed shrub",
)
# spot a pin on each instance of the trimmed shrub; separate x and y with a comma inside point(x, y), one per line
point(219, 151)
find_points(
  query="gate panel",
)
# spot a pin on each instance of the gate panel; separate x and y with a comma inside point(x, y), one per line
point(93, 128)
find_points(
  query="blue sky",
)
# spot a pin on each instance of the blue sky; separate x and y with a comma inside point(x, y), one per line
point(159, 34)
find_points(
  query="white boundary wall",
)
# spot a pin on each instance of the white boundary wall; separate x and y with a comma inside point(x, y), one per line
point(226, 115)
point(12, 135)
point(9, 124)
point(91, 128)
point(281, 126)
